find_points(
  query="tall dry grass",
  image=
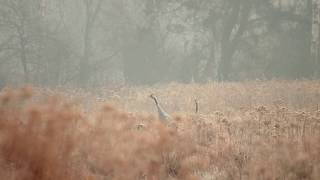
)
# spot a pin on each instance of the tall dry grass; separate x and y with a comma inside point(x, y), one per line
point(252, 130)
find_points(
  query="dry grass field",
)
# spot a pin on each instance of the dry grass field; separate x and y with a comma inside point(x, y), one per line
point(250, 130)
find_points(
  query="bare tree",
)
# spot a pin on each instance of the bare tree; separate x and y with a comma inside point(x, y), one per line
point(92, 9)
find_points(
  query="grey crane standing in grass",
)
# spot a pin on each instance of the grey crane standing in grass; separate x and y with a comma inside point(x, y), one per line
point(163, 115)
point(196, 105)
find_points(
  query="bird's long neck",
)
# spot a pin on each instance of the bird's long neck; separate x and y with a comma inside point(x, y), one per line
point(197, 106)
point(156, 101)
point(157, 104)
point(162, 114)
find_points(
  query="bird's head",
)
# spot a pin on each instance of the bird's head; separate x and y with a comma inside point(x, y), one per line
point(197, 105)
point(152, 96)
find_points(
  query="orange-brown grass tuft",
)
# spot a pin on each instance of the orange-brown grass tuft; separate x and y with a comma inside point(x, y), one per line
point(52, 138)
point(252, 130)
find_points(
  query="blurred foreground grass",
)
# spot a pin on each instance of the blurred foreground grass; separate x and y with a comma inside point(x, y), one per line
point(250, 130)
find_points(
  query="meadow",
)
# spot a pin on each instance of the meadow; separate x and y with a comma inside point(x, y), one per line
point(268, 130)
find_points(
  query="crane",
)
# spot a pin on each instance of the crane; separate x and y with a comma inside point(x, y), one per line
point(163, 115)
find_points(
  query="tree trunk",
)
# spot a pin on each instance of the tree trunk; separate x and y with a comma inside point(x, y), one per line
point(84, 61)
point(315, 42)
point(209, 69)
point(23, 55)
point(230, 21)
point(309, 38)
point(239, 15)
point(91, 14)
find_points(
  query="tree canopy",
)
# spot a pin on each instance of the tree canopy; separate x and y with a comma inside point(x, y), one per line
point(101, 42)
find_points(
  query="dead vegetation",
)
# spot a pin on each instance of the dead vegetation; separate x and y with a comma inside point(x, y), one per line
point(254, 130)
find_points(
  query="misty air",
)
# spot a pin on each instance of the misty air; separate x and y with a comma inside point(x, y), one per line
point(159, 89)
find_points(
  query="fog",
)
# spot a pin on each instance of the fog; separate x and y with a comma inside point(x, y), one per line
point(85, 43)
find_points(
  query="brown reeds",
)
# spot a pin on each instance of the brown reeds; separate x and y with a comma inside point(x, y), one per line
point(257, 130)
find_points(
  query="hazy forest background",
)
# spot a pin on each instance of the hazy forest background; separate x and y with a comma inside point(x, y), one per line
point(106, 42)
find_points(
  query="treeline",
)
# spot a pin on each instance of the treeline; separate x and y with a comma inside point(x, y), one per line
point(101, 42)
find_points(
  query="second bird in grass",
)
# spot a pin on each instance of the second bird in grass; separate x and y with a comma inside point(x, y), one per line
point(163, 115)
